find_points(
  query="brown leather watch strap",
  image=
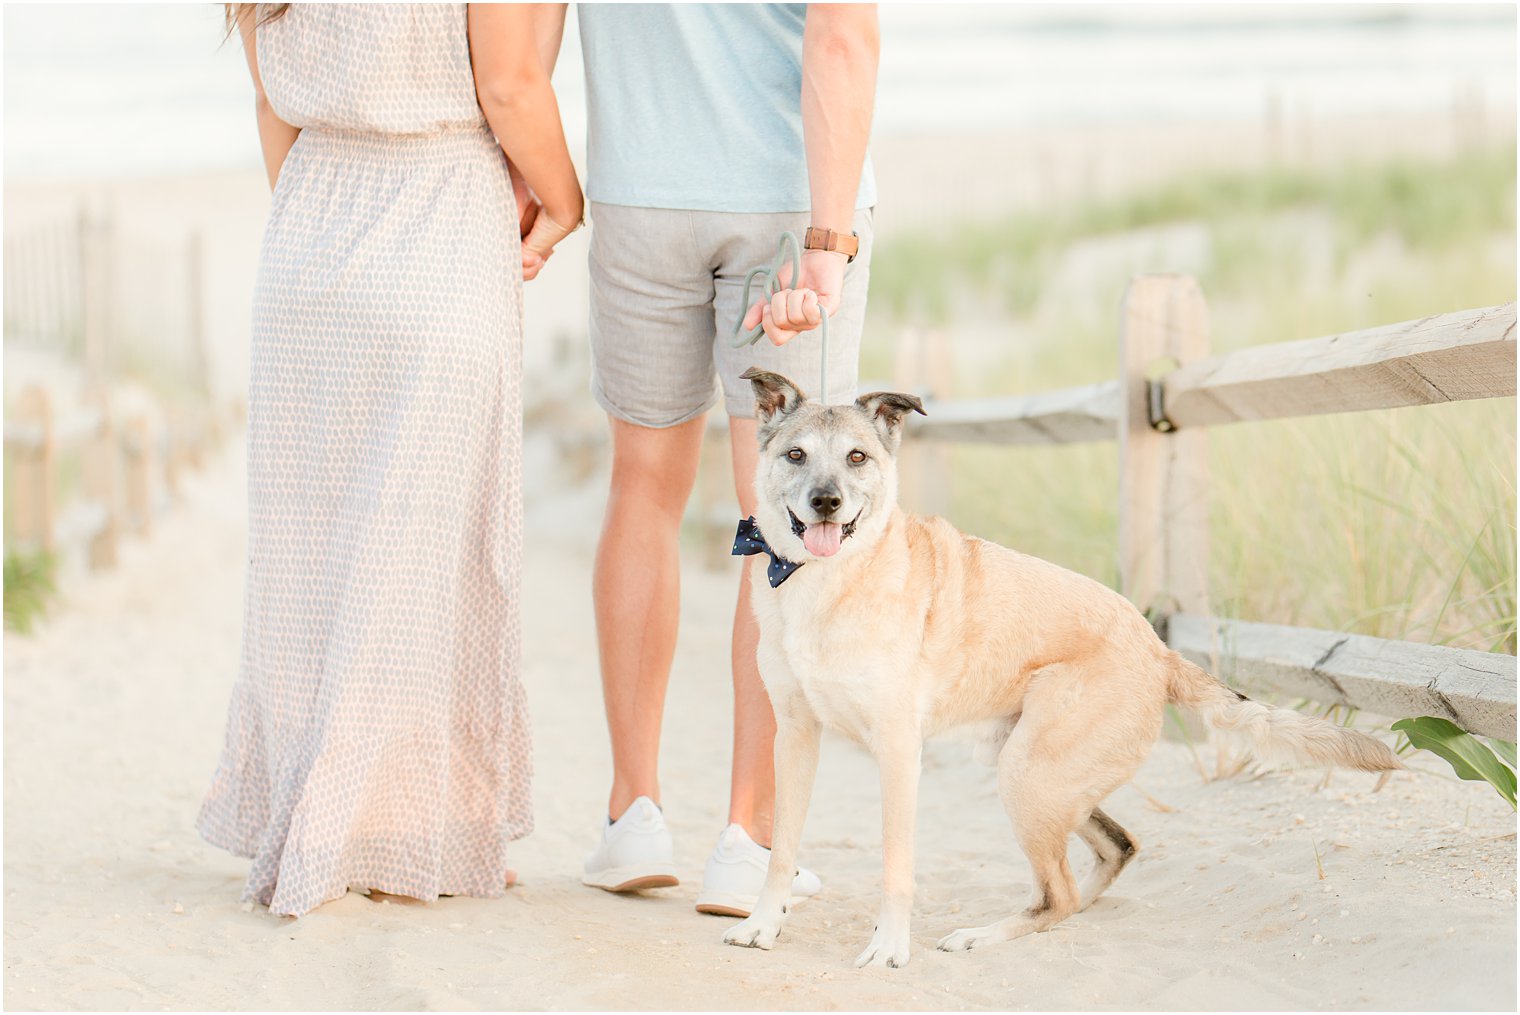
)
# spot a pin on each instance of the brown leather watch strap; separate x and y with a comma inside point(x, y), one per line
point(828, 239)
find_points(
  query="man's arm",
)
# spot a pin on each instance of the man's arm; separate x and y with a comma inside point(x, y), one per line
point(840, 47)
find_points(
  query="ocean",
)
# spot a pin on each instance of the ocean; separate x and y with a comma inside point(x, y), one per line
point(150, 89)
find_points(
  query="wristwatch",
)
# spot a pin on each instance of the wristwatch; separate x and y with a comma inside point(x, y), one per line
point(828, 239)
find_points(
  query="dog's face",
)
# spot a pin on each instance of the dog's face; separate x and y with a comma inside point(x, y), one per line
point(827, 478)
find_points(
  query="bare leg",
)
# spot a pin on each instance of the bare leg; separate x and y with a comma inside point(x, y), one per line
point(637, 587)
point(752, 791)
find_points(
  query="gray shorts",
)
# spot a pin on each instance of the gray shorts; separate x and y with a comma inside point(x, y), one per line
point(665, 289)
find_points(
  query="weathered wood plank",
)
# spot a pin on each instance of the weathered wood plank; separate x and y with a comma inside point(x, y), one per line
point(34, 473)
point(84, 422)
point(1399, 679)
point(1163, 477)
point(1068, 416)
point(1446, 358)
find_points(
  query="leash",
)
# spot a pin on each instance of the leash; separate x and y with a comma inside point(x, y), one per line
point(789, 247)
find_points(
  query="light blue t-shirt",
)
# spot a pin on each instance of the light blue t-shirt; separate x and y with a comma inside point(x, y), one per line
point(698, 106)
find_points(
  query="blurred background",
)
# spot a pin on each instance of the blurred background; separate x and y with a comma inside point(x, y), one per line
point(1319, 169)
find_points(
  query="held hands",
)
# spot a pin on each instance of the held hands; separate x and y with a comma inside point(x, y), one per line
point(538, 232)
point(792, 311)
point(538, 242)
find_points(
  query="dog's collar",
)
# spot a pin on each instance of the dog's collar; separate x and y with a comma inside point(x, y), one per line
point(748, 541)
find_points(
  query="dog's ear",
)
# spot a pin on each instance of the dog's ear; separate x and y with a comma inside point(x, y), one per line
point(887, 409)
point(774, 395)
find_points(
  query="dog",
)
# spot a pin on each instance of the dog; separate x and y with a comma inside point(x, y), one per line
point(891, 628)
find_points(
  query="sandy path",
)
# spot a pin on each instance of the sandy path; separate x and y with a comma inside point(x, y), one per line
point(114, 716)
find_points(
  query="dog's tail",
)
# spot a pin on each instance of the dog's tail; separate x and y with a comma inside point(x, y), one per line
point(1276, 734)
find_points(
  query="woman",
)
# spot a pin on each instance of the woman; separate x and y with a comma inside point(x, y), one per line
point(378, 734)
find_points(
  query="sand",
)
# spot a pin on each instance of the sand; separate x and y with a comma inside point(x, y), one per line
point(1260, 891)
point(113, 720)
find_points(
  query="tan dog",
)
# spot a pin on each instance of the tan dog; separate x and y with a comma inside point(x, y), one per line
point(898, 627)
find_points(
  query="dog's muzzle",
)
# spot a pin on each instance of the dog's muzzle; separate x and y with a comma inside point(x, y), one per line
point(848, 529)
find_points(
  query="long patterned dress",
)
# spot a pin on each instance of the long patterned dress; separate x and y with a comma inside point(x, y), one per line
point(378, 733)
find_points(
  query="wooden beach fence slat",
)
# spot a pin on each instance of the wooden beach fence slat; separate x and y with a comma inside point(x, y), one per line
point(1160, 417)
point(1068, 416)
point(1163, 477)
point(1446, 358)
point(32, 469)
point(137, 443)
point(99, 478)
point(1452, 357)
point(924, 364)
point(1475, 690)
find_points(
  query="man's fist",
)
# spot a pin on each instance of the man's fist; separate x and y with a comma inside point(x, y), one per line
point(792, 311)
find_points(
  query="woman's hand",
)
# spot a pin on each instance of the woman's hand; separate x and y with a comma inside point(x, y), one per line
point(539, 244)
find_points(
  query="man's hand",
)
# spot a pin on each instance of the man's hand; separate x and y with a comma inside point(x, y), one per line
point(795, 310)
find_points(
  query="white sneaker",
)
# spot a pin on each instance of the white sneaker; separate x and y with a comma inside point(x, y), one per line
point(635, 852)
point(736, 872)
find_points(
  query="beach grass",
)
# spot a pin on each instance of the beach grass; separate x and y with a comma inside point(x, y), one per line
point(31, 581)
point(1397, 523)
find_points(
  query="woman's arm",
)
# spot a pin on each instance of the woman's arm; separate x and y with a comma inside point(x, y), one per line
point(512, 49)
point(275, 135)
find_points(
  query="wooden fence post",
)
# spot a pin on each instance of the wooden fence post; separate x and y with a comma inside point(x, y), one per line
point(208, 430)
point(95, 294)
point(924, 363)
point(138, 442)
point(99, 477)
point(170, 448)
point(1163, 476)
point(33, 471)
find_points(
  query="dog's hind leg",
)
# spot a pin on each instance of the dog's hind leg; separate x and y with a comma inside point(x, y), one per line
point(1064, 756)
point(1043, 823)
point(1113, 848)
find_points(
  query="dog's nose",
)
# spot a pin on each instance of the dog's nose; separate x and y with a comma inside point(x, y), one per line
point(825, 500)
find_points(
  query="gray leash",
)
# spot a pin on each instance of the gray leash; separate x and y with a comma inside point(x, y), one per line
point(789, 247)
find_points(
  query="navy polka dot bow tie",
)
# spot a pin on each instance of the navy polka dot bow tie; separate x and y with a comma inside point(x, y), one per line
point(749, 541)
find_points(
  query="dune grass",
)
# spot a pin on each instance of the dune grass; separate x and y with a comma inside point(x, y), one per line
point(1397, 523)
point(31, 582)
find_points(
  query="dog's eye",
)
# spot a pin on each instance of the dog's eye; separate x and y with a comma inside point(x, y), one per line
point(796, 455)
point(857, 457)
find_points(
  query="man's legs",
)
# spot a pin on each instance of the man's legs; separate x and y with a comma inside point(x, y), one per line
point(752, 793)
point(636, 587)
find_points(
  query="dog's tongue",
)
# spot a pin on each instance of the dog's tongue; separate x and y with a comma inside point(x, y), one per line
point(822, 538)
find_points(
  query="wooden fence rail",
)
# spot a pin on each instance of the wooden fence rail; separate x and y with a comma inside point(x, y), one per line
point(1169, 392)
point(122, 470)
point(64, 294)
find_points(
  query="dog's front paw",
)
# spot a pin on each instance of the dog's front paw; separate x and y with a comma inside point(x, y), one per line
point(888, 947)
point(968, 938)
point(753, 933)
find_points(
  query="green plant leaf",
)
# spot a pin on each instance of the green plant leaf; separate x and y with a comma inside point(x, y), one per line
point(1466, 754)
point(1504, 749)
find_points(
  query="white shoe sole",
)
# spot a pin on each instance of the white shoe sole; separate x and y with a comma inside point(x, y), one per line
point(732, 904)
point(633, 877)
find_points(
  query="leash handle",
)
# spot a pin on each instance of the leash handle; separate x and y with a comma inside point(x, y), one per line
point(771, 273)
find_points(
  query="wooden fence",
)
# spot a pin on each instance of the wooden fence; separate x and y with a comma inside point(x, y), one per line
point(1161, 423)
point(62, 294)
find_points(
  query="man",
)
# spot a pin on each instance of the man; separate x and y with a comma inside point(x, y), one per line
point(712, 130)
